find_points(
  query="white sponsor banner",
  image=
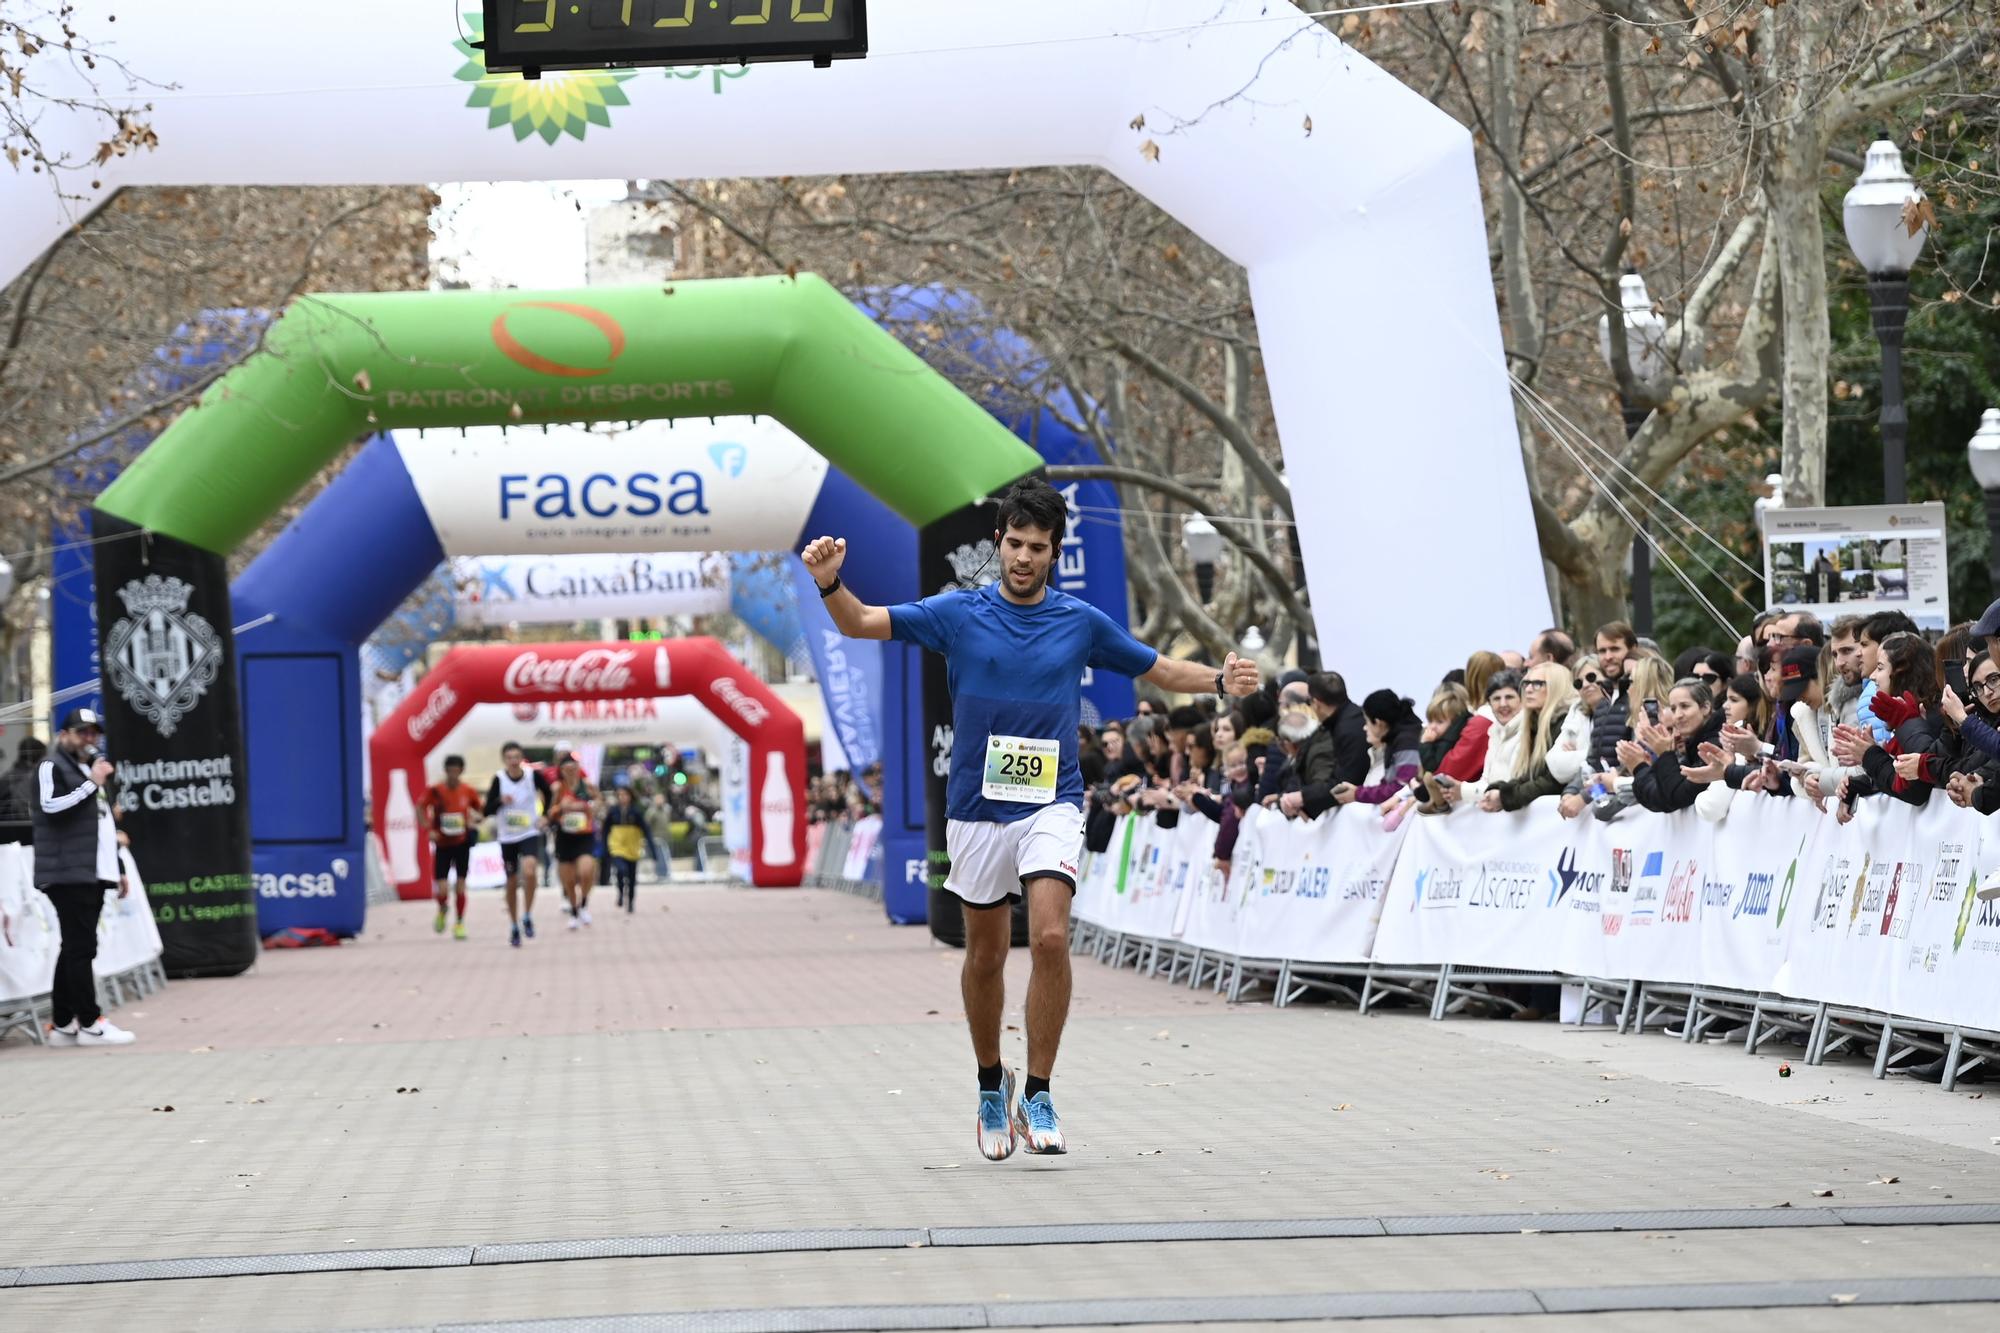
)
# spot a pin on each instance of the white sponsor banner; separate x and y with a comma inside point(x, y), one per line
point(30, 936)
point(1880, 914)
point(546, 589)
point(1309, 890)
point(676, 720)
point(860, 845)
point(731, 484)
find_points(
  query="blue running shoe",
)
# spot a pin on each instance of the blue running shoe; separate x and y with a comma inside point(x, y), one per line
point(515, 939)
point(528, 925)
point(1037, 1126)
point(996, 1122)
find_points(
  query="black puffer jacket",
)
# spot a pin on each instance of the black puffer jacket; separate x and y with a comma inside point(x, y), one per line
point(1608, 726)
point(1660, 785)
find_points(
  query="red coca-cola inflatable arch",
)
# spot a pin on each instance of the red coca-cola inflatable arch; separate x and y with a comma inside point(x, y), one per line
point(552, 672)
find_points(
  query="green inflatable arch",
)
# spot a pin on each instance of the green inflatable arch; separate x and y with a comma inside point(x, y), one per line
point(337, 367)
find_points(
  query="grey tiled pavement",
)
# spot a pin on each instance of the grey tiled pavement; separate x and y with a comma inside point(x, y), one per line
point(813, 1073)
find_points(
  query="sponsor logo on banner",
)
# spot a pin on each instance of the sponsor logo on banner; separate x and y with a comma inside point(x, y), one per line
point(162, 656)
point(557, 104)
point(176, 784)
point(1981, 924)
point(1834, 878)
point(1440, 887)
point(1646, 890)
point(594, 670)
point(750, 710)
point(1618, 897)
point(1758, 889)
point(1363, 886)
point(1678, 909)
point(442, 701)
point(1506, 886)
point(1902, 894)
point(1791, 878)
point(1566, 879)
point(1870, 892)
point(307, 884)
point(512, 348)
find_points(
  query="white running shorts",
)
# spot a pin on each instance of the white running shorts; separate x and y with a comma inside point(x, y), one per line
point(989, 861)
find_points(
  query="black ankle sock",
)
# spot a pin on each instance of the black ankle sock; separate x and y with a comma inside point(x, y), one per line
point(1033, 1086)
point(991, 1076)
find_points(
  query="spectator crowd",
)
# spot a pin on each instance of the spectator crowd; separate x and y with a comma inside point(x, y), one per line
point(1864, 708)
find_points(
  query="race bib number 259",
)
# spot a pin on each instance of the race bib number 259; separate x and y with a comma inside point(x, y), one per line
point(1020, 768)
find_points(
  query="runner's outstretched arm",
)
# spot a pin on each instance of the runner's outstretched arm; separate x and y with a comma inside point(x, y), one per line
point(852, 616)
point(1239, 676)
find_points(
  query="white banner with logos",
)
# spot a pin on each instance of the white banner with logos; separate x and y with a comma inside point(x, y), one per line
point(726, 484)
point(554, 589)
point(30, 937)
point(1310, 891)
point(1880, 914)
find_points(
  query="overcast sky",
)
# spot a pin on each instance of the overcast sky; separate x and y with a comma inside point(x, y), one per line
point(517, 233)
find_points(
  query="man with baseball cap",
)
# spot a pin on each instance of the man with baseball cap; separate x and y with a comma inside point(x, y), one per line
point(76, 863)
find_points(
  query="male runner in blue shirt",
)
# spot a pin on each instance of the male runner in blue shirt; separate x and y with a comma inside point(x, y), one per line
point(1016, 651)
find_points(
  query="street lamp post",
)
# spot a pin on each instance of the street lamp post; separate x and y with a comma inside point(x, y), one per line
point(1886, 235)
point(1984, 454)
point(1646, 358)
point(1203, 545)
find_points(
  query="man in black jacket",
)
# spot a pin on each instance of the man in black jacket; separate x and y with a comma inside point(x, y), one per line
point(76, 862)
point(1334, 755)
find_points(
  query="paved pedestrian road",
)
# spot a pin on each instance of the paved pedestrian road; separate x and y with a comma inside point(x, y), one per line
point(761, 1103)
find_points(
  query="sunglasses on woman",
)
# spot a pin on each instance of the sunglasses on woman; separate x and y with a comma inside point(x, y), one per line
point(1592, 678)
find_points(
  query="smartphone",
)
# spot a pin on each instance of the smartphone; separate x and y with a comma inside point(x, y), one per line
point(1653, 711)
point(1954, 676)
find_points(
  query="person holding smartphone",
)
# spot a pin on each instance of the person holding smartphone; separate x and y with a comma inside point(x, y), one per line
point(1661, 752)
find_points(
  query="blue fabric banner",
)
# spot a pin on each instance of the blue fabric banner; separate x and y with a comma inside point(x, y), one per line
point(849, 673)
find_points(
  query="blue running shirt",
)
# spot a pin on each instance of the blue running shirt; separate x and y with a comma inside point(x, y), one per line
point(1015, 671)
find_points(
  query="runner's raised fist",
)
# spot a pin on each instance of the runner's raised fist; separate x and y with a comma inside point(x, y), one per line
point(1239, 676)
point(823, 557)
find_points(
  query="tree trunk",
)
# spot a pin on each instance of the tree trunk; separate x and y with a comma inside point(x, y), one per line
point(1792, 196)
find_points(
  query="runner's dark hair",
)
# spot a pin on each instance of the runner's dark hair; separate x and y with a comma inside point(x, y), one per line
point(451, 759)
point(1033, 503)
point(513, 745)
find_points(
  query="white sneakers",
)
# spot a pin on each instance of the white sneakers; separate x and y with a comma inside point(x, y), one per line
point(584, 913)
point(103, 1033)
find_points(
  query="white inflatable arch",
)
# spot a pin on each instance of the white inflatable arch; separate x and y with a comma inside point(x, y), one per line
point(1364, 238)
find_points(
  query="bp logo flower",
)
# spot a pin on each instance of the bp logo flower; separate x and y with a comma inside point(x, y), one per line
point(551, 106)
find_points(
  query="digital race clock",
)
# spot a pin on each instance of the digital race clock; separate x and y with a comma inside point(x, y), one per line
point(534, 35)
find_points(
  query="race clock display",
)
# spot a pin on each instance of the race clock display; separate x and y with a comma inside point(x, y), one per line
point(535, 35)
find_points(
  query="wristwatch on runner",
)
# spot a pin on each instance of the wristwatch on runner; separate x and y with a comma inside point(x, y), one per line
point(1218, 684)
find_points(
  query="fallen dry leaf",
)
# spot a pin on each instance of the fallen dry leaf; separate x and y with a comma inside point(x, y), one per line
point(1150, 151)
point(163, 1108)
point(1345, 1106)
point(1888, 1180)
point(1309, 127)
point(1822, 1194)
point(1139, 121)
point(1152, 1152)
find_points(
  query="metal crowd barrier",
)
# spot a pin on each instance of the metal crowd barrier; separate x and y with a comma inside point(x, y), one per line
point(829, 868)
point(1752, 1019)
point(32, 1013)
